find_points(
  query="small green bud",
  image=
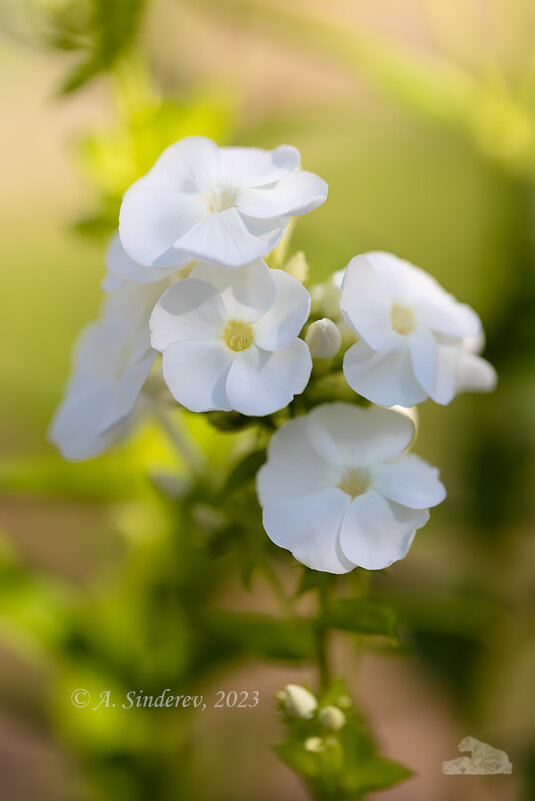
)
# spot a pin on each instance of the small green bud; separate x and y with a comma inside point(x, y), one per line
point(314, 745)
point(331, 717)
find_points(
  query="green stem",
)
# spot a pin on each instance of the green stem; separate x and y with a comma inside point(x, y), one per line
point(278, 590)
point(323, 636)
point(181, 442)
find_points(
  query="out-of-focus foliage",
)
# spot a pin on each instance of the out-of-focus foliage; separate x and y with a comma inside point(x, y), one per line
point(499, 118)
point(100, 31)
point(157, 625)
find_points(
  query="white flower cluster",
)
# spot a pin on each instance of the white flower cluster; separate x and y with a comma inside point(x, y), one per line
point(186, 278)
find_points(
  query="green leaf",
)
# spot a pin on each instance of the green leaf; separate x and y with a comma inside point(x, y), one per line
point(113, 25)
point(457, 614)
point(97, 225)
point(313, 580)
point(369, 777)
point(262, 635)
point(297, 758)
point(245, 471)
point(362, 616)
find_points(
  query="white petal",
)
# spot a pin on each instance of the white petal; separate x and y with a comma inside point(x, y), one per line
point(288, 313)
point(125, 390)
point(260, 382)
point(309, 527)
point(196, 373)
point(119, 338)
point(446, 316)
point(475, 344)
point(394, 273)
point(190, 309)
point(385, 377)
point(344, 434)
point(122, 268)
point(294, 467)
point(294, 195)
point(189, 165)
point(410, 481)
point(75, 428)
point(231, 239)
point(111, 282)
point(448, 361)
point(365, 304)
point(424, 358)
point(435, 308)
point(151, 221)
point(246, 292)
point(338, 278)
point(94, 359)
point(475, 374)
point(251, 166)
point(377, 532)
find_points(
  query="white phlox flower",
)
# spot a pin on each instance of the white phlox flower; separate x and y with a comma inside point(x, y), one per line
point(416, 340)
point(122, 268)
point(224, 205)
point(229, 339)
point(112, 360)
point(338, 491)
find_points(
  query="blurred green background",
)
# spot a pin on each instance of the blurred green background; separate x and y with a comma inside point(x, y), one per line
point(421, 117)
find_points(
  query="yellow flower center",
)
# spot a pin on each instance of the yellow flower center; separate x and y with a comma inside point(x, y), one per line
point(220, 201)
point(355, 481)
point(402, 319)
point(238, 336)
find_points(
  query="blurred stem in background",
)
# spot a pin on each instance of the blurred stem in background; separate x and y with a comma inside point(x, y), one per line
point(326, 591)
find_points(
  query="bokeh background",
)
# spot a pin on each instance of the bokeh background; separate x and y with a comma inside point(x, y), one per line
point(421, 117)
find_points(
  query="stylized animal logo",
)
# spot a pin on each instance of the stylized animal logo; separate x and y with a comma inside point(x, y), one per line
point(484, 759)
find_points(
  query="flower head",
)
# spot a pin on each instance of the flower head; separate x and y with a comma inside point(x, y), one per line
point(113, 358)
point(227, 206)
point(229, 339)
point(415, 338)
point(338, 491)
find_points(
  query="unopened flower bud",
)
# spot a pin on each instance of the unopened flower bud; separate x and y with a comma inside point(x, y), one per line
point(298, 702)
point(344, 702)
point(331, 717)
point(298, 267)
point(326, 296)
point(323, 338)
point(314, 745)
